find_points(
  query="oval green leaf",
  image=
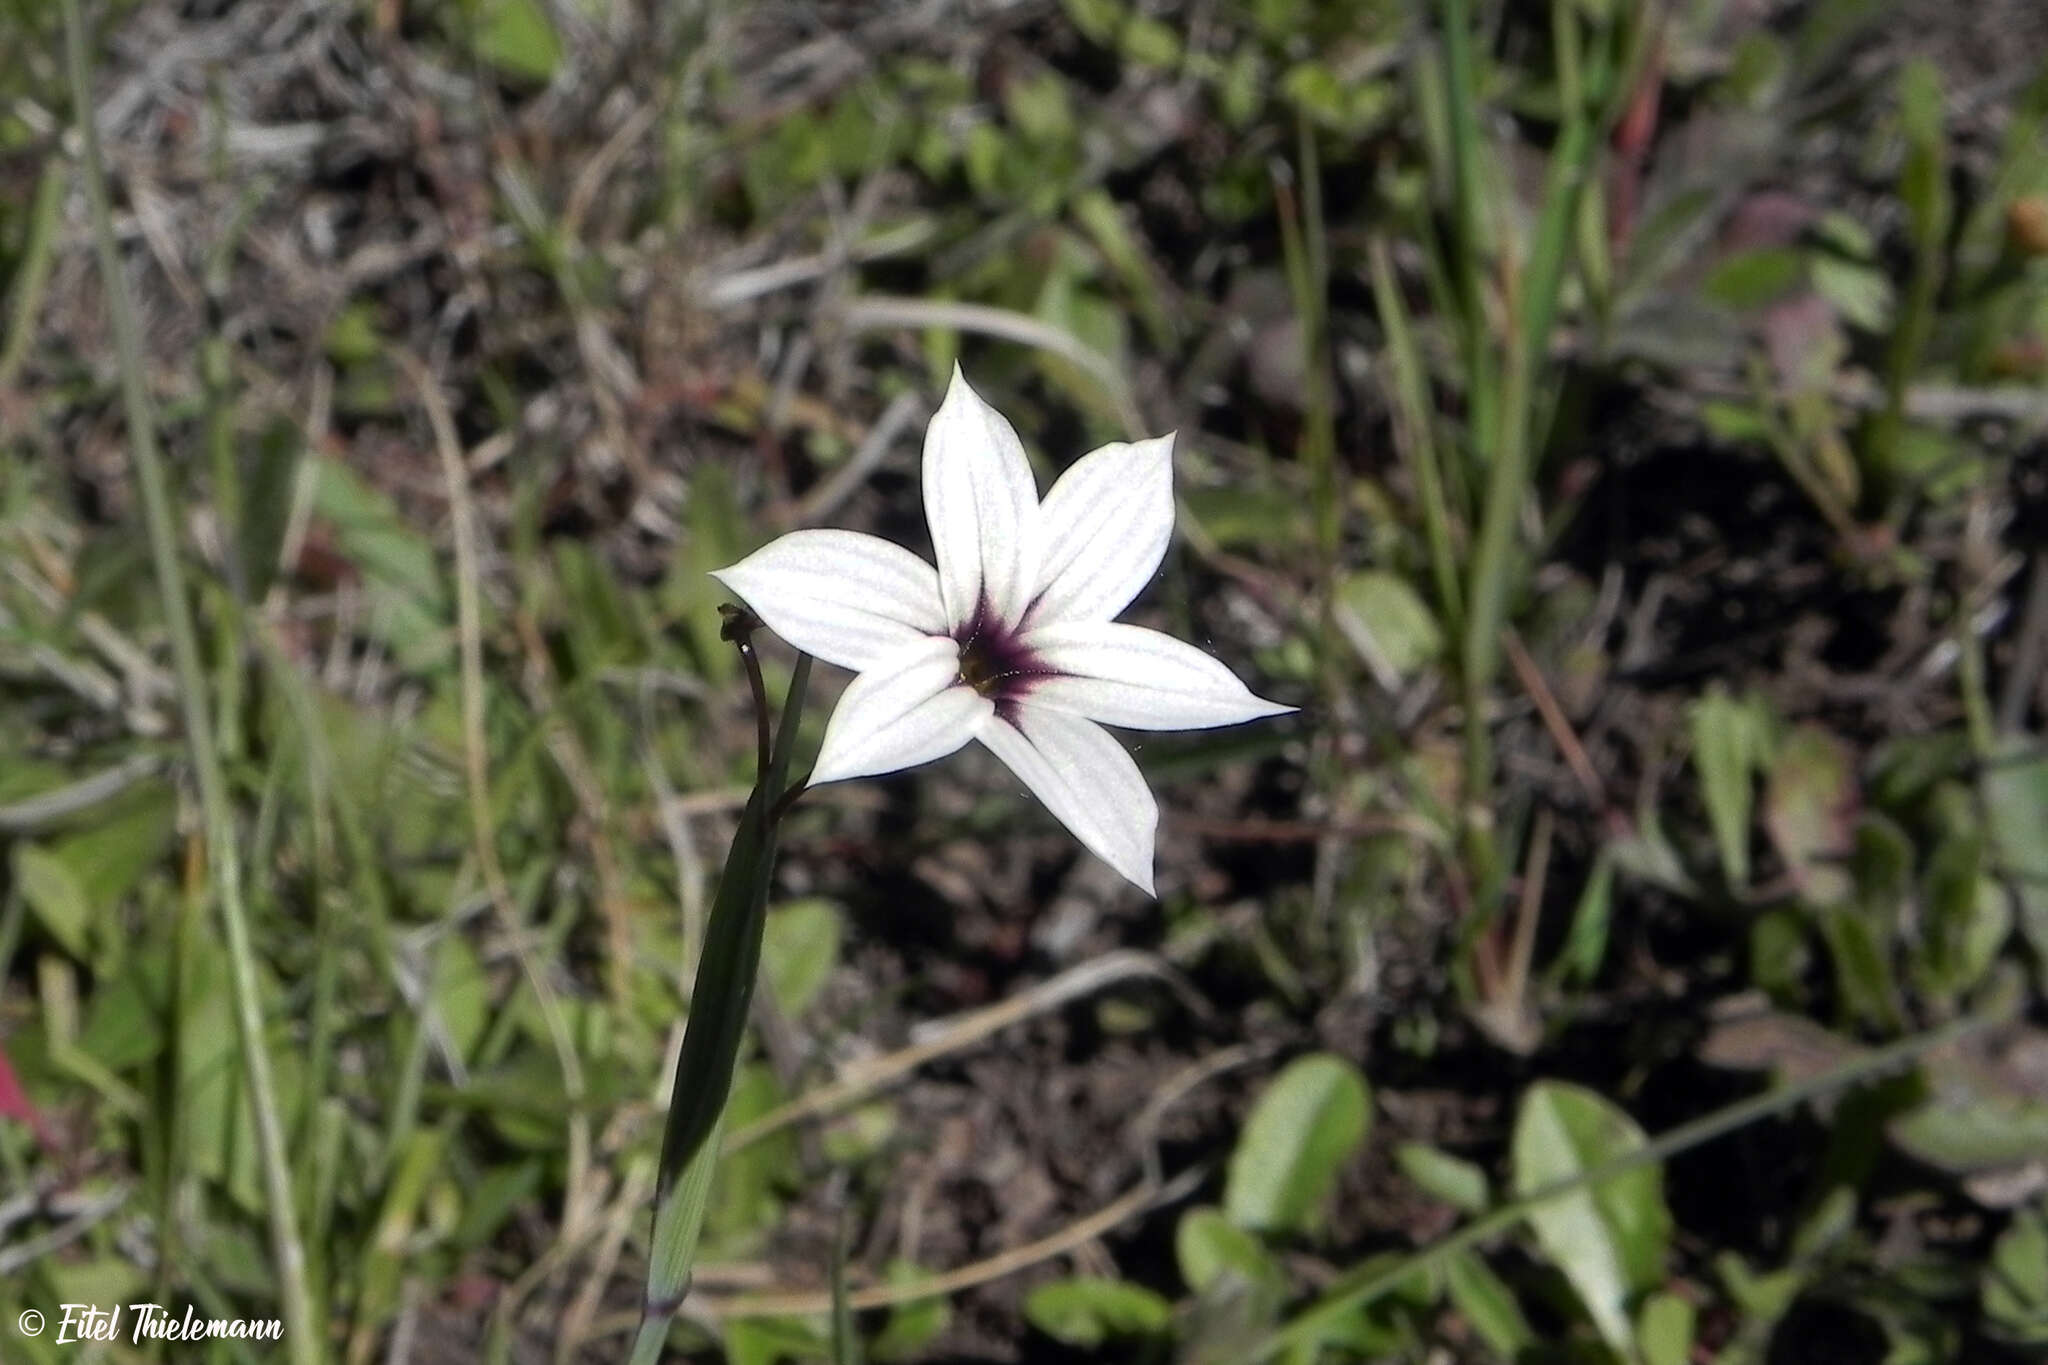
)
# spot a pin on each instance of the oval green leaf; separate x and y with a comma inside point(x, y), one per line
point(1310, 1121)
point(1610, 1239)
point(1208, 1245)
point(1087, 1311)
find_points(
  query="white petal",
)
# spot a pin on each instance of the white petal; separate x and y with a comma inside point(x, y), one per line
point(1085, 778)
point(1130, 676)
point(848, 598)
point(982, 507)
point(908, 709)
point(1106, 524)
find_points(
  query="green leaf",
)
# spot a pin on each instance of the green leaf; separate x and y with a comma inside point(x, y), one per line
point(1648, 853)
point(461, 992)
point(1208, 1246)
point(1238, 516)
point(408, 598)
point(746, 1199)
point(1972, 1128)
point(1810, 806)
point(98, 1280)
point(770, 1341)
point(1764, 1297)
point(724, 990)
point(352, 338)
point(601, 618)
point(911, 1326)
point(57, 896)
point(1967, 916)
point(1098, 20)
point(1863, 967)
point(1149, 42)
point(798, 952)
point(1903, 768)
point(517, 37)
point(1242, 89)
point(269, 483)
point(1458, 1183)
point(492, 1199)
point(1752, 279)
point(1585, 941)
point(1664, 1330)
point(125, 1028)
point(1038, 108)
point(1779, 953)
point(2014, 1289)
point(859, 1133)
point(1609, 1240)
point(1308, 1123)
point(1734, 423)
point(1088, 1311)
point(1100, 216)
point(2015, 791)
point(1343, 104)
point(372, 533)
point(1726, 749)
point(1860, 293)
point(1389, 621)
point(715, 534)
point(110, 857)
point(1923, 183)
point(1488, 1305)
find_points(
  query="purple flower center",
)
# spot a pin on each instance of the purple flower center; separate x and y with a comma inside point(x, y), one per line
point(994, 660)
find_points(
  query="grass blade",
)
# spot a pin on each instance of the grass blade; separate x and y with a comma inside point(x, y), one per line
point(1414, 434)
point(301, 1336)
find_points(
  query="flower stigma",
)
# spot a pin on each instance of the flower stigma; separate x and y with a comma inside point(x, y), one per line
point(977, 670)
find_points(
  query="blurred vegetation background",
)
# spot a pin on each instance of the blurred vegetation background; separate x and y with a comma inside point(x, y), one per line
point(1619, 426)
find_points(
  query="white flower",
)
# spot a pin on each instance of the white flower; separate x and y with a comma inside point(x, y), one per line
point(1010, 639)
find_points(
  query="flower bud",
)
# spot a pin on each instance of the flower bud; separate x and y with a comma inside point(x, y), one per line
point(2026, 224)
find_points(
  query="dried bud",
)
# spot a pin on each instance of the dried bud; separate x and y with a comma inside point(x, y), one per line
point(738, 623)
point(2026, 224)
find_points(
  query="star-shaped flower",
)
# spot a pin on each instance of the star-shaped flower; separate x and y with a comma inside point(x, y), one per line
point(1011, 639)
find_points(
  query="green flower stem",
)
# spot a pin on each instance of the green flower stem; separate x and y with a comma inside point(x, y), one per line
point(719, 1003)
point(301, 1334)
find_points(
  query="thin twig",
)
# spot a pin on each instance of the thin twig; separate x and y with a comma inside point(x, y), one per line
point(962, 1031)
point(611, 1239)
point(59, 803)
point(872, 312)
point(476, 761)
point(722, 287)
point(2029, 652)
point(1530, 910)
point(29, 1250)
point(1554, 720)
point(1259, 829)
point(822, 501)
point(806, 1302)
